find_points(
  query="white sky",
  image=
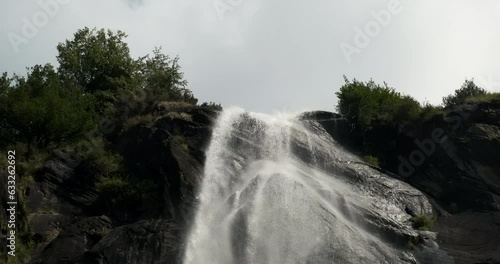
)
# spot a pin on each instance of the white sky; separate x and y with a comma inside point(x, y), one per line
point(281, 55)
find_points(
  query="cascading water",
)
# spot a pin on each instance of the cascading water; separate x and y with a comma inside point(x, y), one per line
point(280, 190)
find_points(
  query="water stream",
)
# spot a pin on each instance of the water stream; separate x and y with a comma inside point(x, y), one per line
point(280, 190)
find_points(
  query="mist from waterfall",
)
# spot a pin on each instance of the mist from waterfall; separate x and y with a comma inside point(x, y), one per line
point(278, 190)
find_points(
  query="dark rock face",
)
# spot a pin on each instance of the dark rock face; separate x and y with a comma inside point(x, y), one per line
point(65, 213)
point(462, 174)
point(73, 242)
point(176, 164)
point(471, 237)
point(57, 188)
point(148, 241)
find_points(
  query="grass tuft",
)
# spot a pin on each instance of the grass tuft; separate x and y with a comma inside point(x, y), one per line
point(139, 120)
point(372, 160)
point(182, 141)
point(483, 98)
point(422, 222)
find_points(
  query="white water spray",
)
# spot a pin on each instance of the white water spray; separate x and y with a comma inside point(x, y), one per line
point(267, 198)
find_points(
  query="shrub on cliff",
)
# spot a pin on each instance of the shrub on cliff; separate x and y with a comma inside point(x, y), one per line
point(4, 88)
point(483, 98)
point(422, 222)
point(372, 160)
point(162, 79)
point(96, 79)
point(40, 111)
point(113, 185)
point(212, 105)
point(99, 61)
point(363, 103)
point(431, 112)
point(468, 89)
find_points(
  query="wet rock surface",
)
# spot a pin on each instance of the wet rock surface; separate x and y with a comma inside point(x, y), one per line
point(147, 241)
point(471, 237)
point(74, 241)
point(461, 177)
point(64, 210)
point(296, 196)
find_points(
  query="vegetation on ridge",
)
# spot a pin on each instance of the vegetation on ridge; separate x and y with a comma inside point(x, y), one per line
point(378, 113)
point(98, 81)
point(81, 106)
point(422, 222)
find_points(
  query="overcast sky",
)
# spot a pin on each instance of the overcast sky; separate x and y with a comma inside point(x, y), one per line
point(280, 55)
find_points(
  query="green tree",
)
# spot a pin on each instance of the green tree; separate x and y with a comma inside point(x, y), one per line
point(362, 103)
point(162, 78)
point(430, 112)
point(4, 88)
point(4, 83)
point(404, 110)
point(468, 89)
point(97, 60)
point(100, 62)
point(41, 111)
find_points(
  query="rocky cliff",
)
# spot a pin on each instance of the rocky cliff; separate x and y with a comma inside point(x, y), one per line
point(453, 159)
point(70, 222)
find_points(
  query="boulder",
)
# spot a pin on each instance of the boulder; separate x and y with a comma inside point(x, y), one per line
point(70, 245)
point(147, 241)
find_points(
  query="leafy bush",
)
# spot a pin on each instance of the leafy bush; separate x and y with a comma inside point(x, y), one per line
point(26, 166)
point(468, 89)
point(422, 222)
point(410, 245)
point(4, 83)
point(98, 157)
point(179, 115)
point(23, 252)
point(96, 76)
point(381, 119)
point(372, 160)
point(172, 106)
point(137, 120)
point(363, 103)
point(404, 110)
point(5, 134)
point(430, 112)
point(212, 105)
point(483, 98)
point(113, 185)
point(182, 141)
point(39, 111)
point(97, 60)
point(162, 78)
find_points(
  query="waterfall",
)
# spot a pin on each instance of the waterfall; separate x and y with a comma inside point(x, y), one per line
point(277, 189)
